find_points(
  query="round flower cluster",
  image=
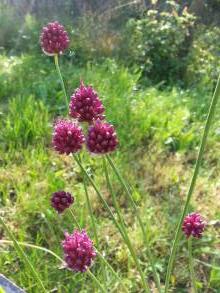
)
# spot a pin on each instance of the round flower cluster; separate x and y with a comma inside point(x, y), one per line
point(78, 251)
point(67, 137)
point(61, 200)
point(85, 104)
point(193, 225)
point(54, 39)
point(102, 138)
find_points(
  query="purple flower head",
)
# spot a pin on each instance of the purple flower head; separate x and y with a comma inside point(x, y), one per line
point(61, 200)
point(85, 104)
point(101, 138)
point(54, 39)
point(67, 137)
point(193, 225)
point(78, 251)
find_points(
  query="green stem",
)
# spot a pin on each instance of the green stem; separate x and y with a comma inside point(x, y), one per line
point(191, 266)
point(91, 213)
point(111, 269)
point(97, 244)
point(74, 218)
point(129, 195)
point(97, 192)
point(115, 203)
point(192, 184)
point(90, 208)
point(127, 242)
point(97, 281)
point(23, 256)
point(56, 61)
point(34, 247)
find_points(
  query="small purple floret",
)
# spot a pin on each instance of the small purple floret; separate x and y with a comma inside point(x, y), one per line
point(61, 200)
point(193, 225)
point(78, 251)
point(67, 137)
point(101, 138)
point(85, 104)
point(54, 39)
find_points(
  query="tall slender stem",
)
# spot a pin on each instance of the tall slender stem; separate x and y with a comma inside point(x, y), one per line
point(129, 195)
point(33, 246)
point(115, 203)
point(22, 254)
point(90, 208)
point(74, 218)
point(103, 270)
point(192, 184)
point(91, 213)
point(191, 265)
point(98, 193)
point(56, 61)
point(127, 242)
point(97, 281)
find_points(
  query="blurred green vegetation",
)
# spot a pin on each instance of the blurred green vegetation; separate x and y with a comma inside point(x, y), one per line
point(155, 71)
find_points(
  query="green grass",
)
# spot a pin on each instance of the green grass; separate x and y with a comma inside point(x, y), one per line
point(159, 132)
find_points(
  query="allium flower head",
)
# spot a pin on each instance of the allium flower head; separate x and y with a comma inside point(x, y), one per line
point(101, 138)
point(61, 200)
point(78, 251)
point(67, 137)
point(54, 39)
point(86, 105)
point(194, 225)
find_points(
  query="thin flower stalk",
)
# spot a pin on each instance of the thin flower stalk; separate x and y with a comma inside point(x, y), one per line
point(89, 207)
point(29, 245)
point(71, 212)
point(104, 273)
point(23, 256)
point(97, 281)
point(191, 265)
point(193, 183)
point(126, 240)
point(129, 196)
point(56, 61)
point(112, 193)
point(93, 221)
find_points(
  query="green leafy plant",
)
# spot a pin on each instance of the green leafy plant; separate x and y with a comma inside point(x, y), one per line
point(157, 43)
point(27, 122)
